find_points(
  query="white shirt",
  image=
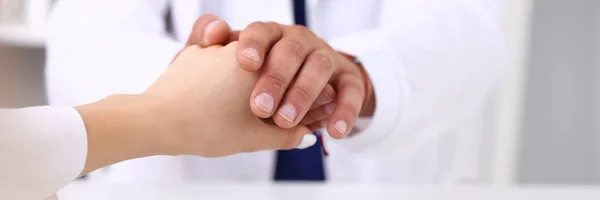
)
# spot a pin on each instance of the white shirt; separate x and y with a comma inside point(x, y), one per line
point(42, 149)
point(432, 63)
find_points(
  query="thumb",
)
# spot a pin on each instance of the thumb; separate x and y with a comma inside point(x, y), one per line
point(299, 137)
point(209, 30)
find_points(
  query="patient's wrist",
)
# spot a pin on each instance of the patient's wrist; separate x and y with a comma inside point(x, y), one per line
point(119, 128)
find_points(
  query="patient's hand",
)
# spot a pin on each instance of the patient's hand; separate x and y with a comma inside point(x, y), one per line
point(202, 104)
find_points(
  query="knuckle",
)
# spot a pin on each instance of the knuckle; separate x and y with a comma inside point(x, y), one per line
point(298, 28)
point(252, 30)
point(323, 61)
point(272, 26)
point(301, 31)
point(276, 80)
point(354, 83)
point(293, 47)
point(303, 94)
point(203, 19)
point(349, 65)
point(272, 23)
point(197, 28)
point(255, 25)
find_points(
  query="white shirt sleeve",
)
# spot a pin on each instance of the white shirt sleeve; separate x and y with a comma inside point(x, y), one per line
point(42, 149)
point(431, 68)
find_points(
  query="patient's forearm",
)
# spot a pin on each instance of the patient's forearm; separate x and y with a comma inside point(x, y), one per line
point(115, 126)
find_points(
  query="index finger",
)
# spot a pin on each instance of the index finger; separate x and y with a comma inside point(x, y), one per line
point(351, 93)
point(256, 41)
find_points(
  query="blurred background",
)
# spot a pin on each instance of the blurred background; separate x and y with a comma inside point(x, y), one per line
point(542, 125)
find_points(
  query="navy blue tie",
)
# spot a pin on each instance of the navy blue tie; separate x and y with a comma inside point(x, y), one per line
point(306, 164)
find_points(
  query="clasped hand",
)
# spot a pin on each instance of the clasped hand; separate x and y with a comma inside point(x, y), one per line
point(287, 73)
point(210, 100)
point(303, 81)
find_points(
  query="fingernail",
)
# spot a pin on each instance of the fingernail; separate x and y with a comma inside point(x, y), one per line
point(210, 28)
point(307, 141)
point(323, 99)
point(264, 102)
point(329, 108)
point(341, 126)
point(251, 54)
point(288, 112)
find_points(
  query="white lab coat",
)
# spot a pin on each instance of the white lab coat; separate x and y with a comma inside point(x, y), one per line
point(432, 63)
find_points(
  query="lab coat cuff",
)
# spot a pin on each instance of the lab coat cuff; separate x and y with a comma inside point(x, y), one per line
point(390, 88)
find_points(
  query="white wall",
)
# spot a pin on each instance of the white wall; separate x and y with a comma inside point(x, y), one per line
point(22, 75)
point(560, 132)
point(506, 111)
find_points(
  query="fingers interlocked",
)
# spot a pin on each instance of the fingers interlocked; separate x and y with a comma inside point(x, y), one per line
point(303, 80)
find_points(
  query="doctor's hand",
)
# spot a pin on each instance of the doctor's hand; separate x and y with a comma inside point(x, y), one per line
point(300, 74)
point(209, 30)
point(198, 107)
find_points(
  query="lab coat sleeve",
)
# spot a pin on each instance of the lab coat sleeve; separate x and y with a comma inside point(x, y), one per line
point(97, 48)
point(42, 149)
point(432, 66)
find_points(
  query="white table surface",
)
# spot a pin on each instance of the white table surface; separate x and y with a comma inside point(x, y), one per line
point(319, 192)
